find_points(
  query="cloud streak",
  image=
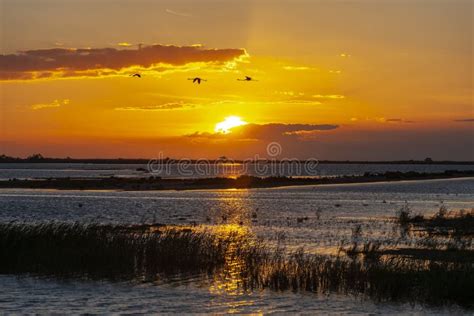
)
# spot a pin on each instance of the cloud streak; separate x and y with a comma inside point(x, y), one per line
point(465, 120)
point(177, 13)
point(54, 104)
point(266, 132)
point(397, 120)
point(296, 68)
point(160, 107)
point(328, 96)
point(124, 44)
point(62, 62)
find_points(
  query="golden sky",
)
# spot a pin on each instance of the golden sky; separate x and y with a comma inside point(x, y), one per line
point(353, 79)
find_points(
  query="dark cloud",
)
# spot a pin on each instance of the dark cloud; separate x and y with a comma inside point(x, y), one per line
point(44, 62)
point(465, 120)
point(268, 131)
point(276, 130)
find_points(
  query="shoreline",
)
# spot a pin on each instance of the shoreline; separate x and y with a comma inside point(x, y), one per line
point(233, 162)
point(242, 182)
point(48, 160)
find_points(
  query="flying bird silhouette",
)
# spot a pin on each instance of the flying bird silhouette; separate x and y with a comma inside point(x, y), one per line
point(136, 75)
point(247, 78)
point(197, 79)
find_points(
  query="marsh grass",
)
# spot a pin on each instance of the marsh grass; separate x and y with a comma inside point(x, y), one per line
point(394, 278)
point(106, 251)
point(443, 223)
point(146, 252)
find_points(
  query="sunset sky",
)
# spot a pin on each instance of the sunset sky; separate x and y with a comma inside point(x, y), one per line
point(342, 80)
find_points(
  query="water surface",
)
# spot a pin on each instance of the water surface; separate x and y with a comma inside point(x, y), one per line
point(317, 218)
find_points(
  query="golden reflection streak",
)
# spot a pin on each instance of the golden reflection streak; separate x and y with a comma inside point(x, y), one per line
point(229, 280)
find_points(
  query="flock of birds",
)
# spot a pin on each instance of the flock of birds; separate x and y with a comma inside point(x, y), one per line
point(198, 79)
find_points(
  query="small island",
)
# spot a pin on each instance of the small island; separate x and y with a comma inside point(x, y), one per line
point(241, 182)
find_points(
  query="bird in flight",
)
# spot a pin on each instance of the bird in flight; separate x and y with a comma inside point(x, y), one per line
point(247, 78)
point(197, 79)
point(136, 75)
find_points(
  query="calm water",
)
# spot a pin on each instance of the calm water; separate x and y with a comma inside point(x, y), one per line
point(316, 217)
point(54, 170)
point(42, 296)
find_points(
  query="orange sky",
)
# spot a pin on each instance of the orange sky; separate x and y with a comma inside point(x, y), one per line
point(335, 79)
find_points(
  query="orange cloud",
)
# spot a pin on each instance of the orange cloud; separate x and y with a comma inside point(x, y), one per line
point(45, 63)
point(295, 68)
point(158, 107)
point(328, 96)
point(397, 120)
point(54, 104)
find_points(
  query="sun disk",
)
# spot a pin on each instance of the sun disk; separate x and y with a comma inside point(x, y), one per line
point(229, 123)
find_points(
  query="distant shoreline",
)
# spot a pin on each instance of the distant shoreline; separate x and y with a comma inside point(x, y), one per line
point(242, 182)
point(9, 160)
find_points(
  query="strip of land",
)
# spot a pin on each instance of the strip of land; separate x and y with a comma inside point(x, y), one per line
point(38, 158)
point(242, 182)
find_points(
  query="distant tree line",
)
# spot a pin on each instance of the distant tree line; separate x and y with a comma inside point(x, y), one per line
point(39, 158)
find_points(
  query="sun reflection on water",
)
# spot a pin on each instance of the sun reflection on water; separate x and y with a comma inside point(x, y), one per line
point(229, 281)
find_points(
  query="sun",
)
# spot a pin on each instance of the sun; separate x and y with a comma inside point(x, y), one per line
point(229, 122)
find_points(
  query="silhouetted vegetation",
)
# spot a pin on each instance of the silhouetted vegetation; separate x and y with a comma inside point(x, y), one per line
point(389, 278)
point(443, 223)
point(148, 252)
point(106, 251)
point(38, 158)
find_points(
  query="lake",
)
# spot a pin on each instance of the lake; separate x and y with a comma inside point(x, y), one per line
point(316, 218)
